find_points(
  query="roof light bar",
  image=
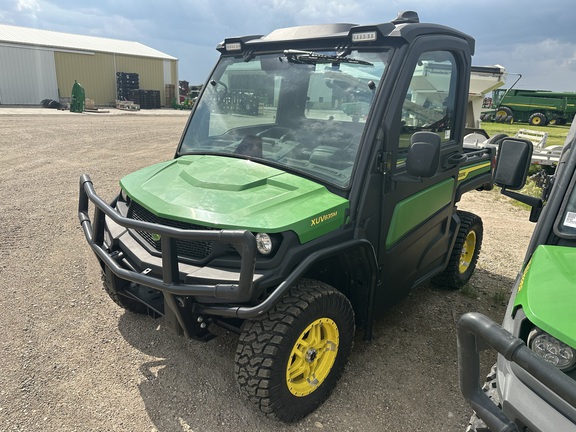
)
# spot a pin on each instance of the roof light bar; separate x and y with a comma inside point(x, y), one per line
point(233, 46)
point(364, 36)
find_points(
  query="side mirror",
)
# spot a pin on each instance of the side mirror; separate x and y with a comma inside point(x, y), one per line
point(423, 155)
point(513, 160)
point(512, 163)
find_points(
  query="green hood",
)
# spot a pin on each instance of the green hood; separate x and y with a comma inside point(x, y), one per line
point(548, 291)
point(231, 193)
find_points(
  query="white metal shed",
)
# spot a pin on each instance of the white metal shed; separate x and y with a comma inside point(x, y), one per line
point(40, 64)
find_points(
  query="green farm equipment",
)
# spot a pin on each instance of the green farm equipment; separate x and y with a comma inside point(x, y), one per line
point(536, 107)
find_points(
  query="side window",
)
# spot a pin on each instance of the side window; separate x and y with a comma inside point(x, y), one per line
point(429, 101)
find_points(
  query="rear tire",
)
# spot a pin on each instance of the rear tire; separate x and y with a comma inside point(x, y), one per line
point(289, 361)
point(464, 254)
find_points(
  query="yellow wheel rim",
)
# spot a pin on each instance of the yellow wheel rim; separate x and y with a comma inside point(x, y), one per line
point(467, 252)
point(501, 113)
point(312, 357)
point(536, 121)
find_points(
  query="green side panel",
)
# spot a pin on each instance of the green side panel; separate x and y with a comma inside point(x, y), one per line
point(521, 103)
point(231, 193)
point(548, 292)
point(414, 210)
point(469, 172)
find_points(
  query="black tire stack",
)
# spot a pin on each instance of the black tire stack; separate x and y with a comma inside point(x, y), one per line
point(126, 83)
point(504, 115)
point(147, 99)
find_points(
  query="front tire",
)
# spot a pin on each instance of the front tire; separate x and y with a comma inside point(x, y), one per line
point(505, 113)
point(111, 283)
point(289, 361)
point(464, 254)
point(538, 119)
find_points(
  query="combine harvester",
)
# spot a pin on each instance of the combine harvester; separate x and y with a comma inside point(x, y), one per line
point(484, 79)
point(536, 107)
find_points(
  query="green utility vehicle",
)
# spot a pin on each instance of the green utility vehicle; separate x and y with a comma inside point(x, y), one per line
point(537, 107)
point(314, 186)
point(533, 385)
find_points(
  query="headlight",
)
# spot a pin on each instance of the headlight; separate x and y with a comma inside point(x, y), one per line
point(264, 243)
point(552, 350)
point(124, 197)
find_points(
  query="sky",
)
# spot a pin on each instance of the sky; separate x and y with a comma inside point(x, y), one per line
point(529, 37)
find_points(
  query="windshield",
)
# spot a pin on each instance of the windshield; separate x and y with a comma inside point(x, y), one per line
point(296, 110)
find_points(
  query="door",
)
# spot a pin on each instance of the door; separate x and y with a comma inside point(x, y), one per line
point(28, 75)
point(417, 214)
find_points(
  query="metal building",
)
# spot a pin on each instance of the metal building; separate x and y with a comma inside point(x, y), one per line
point(40, 64)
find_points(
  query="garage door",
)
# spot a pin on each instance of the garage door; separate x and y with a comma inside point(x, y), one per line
point(27, 75)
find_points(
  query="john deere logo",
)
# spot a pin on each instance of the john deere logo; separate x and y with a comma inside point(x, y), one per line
point(156, 237)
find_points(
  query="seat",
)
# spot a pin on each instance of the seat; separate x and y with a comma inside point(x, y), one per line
point(251, 145)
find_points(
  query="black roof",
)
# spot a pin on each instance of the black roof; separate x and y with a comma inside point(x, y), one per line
point(406, 26)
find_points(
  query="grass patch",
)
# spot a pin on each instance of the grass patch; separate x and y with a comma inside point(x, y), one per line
point(531, 189)
point(556, 134)
point(469, 291)
point(501, 296)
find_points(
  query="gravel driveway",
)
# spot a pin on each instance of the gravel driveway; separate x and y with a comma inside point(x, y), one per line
point(73, 361)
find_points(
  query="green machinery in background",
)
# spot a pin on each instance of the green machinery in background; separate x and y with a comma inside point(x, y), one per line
point(537, 107)
point(77, 104)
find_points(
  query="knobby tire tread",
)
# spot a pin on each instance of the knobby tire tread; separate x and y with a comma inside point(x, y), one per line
point(450, 278)
point(261, 341)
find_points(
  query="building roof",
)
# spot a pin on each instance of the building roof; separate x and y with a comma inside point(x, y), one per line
point(74, 42)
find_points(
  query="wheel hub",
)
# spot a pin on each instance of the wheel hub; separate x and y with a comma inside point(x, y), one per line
point(311, 355)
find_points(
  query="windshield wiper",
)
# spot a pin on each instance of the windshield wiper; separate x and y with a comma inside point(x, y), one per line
point(310, 57)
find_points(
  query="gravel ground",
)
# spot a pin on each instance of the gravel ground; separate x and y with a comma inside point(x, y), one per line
point(73, 361)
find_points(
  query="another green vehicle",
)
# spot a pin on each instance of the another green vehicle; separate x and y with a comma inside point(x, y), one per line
point(314, 186)
point(536, 107)
point(533, 385)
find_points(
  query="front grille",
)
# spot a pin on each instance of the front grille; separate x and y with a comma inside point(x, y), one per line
point(186, 248)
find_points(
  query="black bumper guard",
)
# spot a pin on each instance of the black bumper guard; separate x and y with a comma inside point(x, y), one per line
point(244, 241)
point(477, 332)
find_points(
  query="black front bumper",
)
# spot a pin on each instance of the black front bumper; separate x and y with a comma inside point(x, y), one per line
point(170, 283)
point(476, 332)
